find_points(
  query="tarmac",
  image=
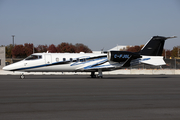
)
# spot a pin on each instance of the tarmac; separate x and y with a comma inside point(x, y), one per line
point(115, 72)
point(79, 97)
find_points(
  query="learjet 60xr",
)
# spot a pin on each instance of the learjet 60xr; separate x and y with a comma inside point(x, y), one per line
point(150, 54)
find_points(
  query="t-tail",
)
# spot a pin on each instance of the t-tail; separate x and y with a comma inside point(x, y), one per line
point(152, 51)
point(154, 47)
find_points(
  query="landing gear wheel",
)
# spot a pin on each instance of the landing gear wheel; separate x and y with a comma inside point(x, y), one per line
point(93, 75)
point(22, 76)
point(99, 76)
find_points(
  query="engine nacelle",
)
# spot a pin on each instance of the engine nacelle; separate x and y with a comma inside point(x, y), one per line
point(121, 56)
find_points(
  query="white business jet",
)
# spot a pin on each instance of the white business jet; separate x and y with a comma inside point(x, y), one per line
point(91, 62)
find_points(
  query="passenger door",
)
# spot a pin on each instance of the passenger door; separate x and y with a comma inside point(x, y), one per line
point(48, 59)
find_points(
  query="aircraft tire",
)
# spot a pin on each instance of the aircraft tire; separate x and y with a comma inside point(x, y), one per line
point(22, 76)
point(99, 76)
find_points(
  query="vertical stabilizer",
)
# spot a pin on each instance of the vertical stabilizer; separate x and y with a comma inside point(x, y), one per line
point(154, 47)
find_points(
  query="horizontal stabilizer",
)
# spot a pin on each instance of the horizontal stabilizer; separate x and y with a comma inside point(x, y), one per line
point(153, 60)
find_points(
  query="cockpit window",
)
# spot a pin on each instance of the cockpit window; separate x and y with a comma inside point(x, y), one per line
point(33, 57)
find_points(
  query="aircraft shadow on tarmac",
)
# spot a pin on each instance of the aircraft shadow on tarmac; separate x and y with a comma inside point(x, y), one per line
point(61, 77)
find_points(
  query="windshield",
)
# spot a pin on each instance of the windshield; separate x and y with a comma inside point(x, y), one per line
point(33, 57)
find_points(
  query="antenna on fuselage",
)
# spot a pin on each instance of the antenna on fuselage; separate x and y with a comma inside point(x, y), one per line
point(102, 50)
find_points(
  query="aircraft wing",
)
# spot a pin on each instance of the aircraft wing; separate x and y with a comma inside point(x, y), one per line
point(104, 64)
point(96, 64)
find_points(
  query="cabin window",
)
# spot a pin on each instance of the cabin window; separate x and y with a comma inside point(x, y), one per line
point(77, 59)
point(83, 60)
point(64, 59)
point(71, 60)
point(33, 57)
point(0, 61)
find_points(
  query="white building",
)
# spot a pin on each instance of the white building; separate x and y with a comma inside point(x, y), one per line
point(117, 48)
point(2, 57)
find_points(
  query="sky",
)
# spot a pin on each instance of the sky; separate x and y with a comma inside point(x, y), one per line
point(96, 23)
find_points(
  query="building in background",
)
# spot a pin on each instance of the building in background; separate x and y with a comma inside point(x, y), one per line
point(2, 57)
point(118, 48)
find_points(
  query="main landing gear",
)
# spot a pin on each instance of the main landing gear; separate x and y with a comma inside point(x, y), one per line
point(93, 75)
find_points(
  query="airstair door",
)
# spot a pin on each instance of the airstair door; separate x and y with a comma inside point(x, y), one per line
point(48, 59)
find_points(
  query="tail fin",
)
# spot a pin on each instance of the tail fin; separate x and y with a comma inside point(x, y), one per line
point(154, 47)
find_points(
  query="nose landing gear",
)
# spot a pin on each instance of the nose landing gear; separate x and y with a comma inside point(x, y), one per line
point(22, 76)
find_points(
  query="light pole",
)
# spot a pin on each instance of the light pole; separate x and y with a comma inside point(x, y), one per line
point(33, 48)
point(13, 39)
point(165, 53)
point(178, 51)
point(13, 47)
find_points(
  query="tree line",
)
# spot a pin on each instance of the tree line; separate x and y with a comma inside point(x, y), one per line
point(22, 51)
point(166, 53)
